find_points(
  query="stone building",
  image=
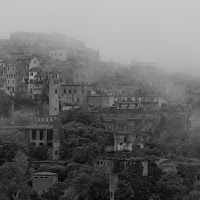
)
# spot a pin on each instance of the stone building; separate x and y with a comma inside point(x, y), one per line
point(42, 181)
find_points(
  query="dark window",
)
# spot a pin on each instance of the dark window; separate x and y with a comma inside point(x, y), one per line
point(56, 91)
point(41, 134)
point(64, 91)
point(33, 134)
point(198, 177)
point(50, 144)
point(49, 134)
point(74, 91)
point(41, 144)
point(82, 91)
point(31, 81)
point(70, 91)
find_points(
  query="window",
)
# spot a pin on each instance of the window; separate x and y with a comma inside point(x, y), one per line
point(74, 91)
point(198, 177)
point(8, 81)
point(56, 152)
point(13, 68)
point(70, 91)
point(13, 81)
point(56, 91)
point(26, 67)
point(31, 81)
point(82, 99)
point(8, 68)
point(41, 144)
point(41, 135)
point(35, 62)
point(55, 109)
point(33, 134)
point(64, 91)
point(49, 134)
point(31, 74)
point(82, 91)
point(55, 82)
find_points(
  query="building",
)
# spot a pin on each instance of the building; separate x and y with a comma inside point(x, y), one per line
point(101, 100)
point(32, 73)
point(44, 134)
point(12, 75)
point(39, 88)
point(42, 181)
point(59, 54)
point(54, 93)
point(72, 94)
point(108, 162)
point(195, 118)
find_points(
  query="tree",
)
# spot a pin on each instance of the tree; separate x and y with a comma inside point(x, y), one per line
point(170, 186)
point(13, 178)
point(10, 143)
point(55, 192)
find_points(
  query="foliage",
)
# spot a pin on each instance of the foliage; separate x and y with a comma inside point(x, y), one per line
point(170, 186)
point(10, 142)
point(5, 102)
point(38, 153)
point(79, 116)
point(54, 192)
point(13, 178)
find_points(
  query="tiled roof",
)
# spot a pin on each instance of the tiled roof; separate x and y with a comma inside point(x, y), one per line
point(35, 69)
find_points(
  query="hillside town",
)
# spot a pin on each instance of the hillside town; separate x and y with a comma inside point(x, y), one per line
point(75, 127)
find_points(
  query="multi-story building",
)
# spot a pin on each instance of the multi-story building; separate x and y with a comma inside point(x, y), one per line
point(54, 93)
point(32, 73)
point(58, 54)
point(45, 134)
point(11, 77)
point(72, 94)
point(39, 87)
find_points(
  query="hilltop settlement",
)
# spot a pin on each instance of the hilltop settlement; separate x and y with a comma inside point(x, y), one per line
point(74, 127)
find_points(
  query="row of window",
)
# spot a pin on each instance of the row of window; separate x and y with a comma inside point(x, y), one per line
point(11, 81)
point(55, 54)
point(10, 68)
point(70, 91)
point(75, 99)
point(11, 75)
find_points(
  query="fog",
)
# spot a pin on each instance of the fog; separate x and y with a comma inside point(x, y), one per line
point(166, 32)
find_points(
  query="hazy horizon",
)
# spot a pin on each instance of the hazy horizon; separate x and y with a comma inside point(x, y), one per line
point(166, 32)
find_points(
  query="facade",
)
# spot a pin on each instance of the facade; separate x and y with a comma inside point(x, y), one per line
point(75, 94)
point(42, 135)
point(11, 80)
point(54, 93)
point(39, 87)
point(101, 100)
point(42, 181)
point(58, 54)
point(84, 74)
point(32, 73)
point(108, 162)
point(195, 118)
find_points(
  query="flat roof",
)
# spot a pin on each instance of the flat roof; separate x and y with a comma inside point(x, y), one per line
point(45, 174)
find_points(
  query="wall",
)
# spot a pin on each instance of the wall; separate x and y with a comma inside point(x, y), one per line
point(54, 93)
point(58, 54)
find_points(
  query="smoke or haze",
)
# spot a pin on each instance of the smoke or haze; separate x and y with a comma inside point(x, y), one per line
point(149, 30)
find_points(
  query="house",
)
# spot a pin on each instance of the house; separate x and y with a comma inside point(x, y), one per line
point(11, 77)
point(39, 87)
point(42, 181)
point(72, 94)
point(100, 100)
point(32, 73)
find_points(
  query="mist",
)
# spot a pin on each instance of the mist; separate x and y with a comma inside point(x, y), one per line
point(166, 32)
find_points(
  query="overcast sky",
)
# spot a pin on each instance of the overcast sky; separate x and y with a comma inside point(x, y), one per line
point(165, 31)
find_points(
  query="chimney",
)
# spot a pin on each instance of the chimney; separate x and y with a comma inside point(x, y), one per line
point(12, 113)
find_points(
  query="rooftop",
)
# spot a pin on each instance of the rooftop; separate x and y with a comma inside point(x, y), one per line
point(45, 174)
